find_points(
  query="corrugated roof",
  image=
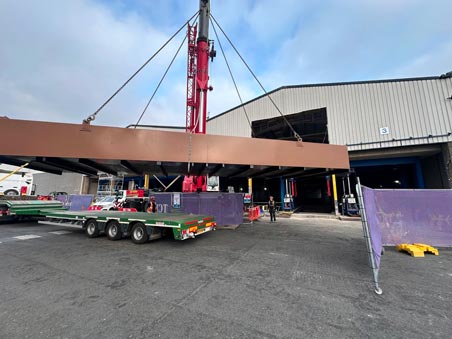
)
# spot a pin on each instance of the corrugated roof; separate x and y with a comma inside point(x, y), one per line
point(443, 76)
point(360, 114)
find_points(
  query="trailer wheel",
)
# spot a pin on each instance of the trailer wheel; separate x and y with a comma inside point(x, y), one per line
point(91, 228)
point(139, 234)
point(113, 230)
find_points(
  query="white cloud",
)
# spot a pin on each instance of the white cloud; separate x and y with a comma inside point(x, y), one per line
point(431, 63)
point(359, 40)
point(61, 59)
point(66, 57)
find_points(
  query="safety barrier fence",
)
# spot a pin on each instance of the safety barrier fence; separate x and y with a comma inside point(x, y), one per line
point(253, 213)
point(227, 208)
point(392, 217)
point(76, 202)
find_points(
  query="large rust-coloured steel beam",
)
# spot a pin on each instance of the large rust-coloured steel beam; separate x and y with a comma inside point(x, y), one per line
point(101, 143)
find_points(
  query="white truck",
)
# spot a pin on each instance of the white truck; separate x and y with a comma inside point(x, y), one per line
point(16, 184)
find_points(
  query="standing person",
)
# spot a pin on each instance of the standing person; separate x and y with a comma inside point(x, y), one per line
point(272, 209)
point(152, 205)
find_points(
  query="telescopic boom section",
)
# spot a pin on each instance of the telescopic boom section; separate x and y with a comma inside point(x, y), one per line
point(191, 78)
point(198, 71)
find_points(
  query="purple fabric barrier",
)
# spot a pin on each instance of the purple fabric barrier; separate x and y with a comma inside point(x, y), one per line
point(80, 202)
point(408, 216)
point(227, 208)
point(76, 202)
point(415, 216)
point(372, 222)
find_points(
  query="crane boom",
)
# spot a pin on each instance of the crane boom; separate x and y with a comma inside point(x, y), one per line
point(199, 51)
point(198, 70)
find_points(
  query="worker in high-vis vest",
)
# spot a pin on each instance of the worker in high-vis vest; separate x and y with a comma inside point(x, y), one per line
point(152, 205)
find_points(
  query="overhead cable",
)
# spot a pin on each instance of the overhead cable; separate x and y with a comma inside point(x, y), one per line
point(233, 79)
point(93, 116)
point(161, 80)
point(295, 134)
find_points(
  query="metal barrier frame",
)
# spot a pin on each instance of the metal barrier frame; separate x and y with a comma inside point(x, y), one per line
point(366, 233)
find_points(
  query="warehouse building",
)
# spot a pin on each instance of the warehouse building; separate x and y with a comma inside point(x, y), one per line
point(398, 131)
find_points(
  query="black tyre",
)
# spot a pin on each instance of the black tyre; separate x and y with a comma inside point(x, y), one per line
point(11, 192)
point(139, 234)
point(113, 230)
point(91, 228)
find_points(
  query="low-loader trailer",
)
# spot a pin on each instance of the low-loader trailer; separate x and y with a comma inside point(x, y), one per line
point(140, 226)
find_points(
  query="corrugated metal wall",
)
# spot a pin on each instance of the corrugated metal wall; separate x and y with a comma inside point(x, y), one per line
point(413, 108)
point(67, 182)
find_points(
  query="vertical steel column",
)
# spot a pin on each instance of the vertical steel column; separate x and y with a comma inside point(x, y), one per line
point(336, 207)
point(283, 193)
point(419, 174)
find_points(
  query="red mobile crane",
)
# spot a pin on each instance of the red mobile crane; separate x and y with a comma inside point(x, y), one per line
point(199, 51)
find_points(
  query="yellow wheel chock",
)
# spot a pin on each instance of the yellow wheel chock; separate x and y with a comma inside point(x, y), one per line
point(417, 250)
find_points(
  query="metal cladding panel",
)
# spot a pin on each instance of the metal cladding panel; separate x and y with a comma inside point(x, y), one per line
point(47, 182)
point(411, 108)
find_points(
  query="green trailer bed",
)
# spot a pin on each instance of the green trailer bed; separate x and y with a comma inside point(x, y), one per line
point(28, 208)
point(140, 226)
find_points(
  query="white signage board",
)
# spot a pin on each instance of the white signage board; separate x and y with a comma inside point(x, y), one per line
point(176, 200)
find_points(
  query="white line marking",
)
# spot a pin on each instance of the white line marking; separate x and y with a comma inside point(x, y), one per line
point(60, 232)
point(26, 237)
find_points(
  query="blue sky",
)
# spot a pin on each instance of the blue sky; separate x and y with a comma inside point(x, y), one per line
point(61, 59)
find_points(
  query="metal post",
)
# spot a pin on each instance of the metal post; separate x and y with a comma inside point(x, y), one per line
point(336, 207)
point(171, 183)
point(282, 193)
point(366, 232)
point(343, 196)
point(161, 183)
point(146, 181)
point(348, 184)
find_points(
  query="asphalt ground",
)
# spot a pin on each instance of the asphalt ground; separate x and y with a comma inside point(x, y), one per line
point(290, 279)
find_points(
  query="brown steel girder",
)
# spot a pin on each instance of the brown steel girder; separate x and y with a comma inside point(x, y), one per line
point(55, 147)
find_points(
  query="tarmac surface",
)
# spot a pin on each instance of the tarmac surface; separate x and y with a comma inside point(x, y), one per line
point(305, 278)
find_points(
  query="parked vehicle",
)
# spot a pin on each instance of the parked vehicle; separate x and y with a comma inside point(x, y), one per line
point(17, 184)
point(104, 204)
point(130, 199)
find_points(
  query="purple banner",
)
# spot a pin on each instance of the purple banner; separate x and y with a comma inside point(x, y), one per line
point(410, 216)
point(76, 202)
point(227, 208)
